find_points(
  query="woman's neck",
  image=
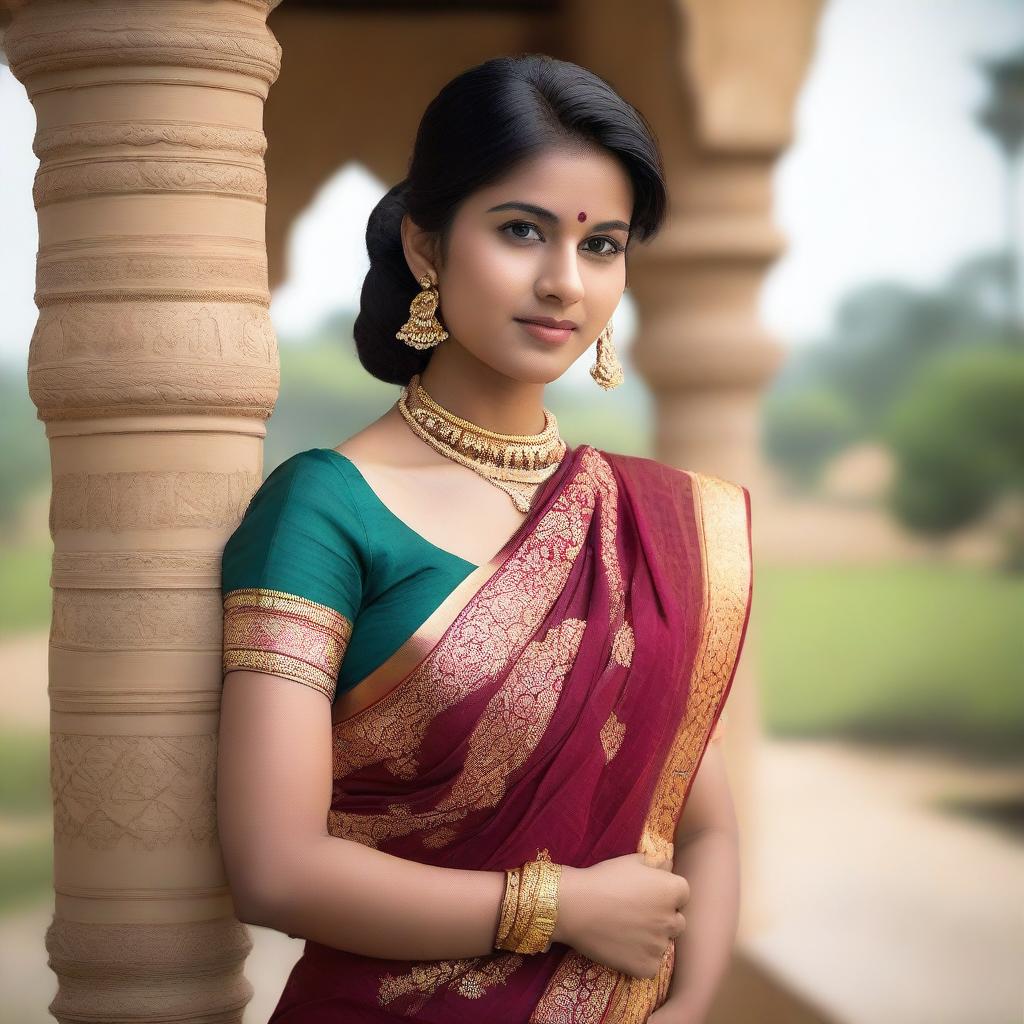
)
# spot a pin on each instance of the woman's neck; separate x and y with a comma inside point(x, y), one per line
point(478, 393)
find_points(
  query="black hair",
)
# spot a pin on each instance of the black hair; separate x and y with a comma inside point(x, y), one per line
point(478, 127)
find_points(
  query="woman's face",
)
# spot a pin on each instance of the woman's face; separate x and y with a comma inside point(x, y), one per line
point(548, 241)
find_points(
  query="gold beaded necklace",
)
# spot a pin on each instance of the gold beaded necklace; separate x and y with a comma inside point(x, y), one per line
point(516, 463)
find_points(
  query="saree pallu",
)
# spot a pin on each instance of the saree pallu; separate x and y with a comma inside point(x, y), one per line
point(561, 697)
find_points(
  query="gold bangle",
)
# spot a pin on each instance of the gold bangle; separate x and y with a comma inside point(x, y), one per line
point(542, 922)
point(529, 908)
point(547, 916)
point(508, 906)
point(524, 908)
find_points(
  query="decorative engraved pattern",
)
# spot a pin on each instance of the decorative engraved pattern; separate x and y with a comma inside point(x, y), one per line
point(211, 951)
point(147, 132)
point(113, 569)
point(40, 43)
point(612, 733)
point(139, 354)
point(136, 620)
point(470, 977)
point(148, 792)
point(150, 268)
point(722, 519)
point(487, 636)
point(271, 631)
point(503, 739)
point(144, 500)
point(135, 794)
point(150, 275)
point(161, 335)
point(122, 176)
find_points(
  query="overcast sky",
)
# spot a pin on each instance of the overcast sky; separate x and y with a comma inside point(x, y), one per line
point(888, 177)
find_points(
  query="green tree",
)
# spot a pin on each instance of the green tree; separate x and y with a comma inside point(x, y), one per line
point(803, 431)
point(958, 439)
point(883, 334)
point(1002, 115)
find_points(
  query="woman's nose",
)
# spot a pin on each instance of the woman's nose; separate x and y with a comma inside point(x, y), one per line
point(561, 278)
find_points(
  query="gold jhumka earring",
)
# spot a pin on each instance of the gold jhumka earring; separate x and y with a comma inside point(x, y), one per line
point(607, 371)
point(423, 330)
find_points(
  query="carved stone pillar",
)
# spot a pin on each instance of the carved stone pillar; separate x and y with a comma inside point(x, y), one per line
point(154, 367)
point(702, 348)
point(718, 80)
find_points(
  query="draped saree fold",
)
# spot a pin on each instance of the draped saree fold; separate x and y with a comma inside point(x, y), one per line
point(561, 697)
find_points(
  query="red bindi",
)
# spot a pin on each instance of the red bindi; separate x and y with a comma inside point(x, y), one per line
point(581, 216)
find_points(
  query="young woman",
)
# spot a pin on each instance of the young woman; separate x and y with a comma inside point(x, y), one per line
point(470, 671)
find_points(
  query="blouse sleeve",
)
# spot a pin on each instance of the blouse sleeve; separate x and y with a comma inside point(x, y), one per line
point(292, 576)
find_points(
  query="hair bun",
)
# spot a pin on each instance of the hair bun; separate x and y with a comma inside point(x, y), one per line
point(387, 292)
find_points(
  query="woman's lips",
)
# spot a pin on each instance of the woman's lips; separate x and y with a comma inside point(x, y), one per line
point(552, 335)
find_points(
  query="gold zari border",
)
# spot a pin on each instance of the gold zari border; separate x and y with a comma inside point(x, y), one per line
point(272, 631)
point(582, 991)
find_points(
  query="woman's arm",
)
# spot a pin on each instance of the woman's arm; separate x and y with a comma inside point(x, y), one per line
point(274, 783)
point(707, 856)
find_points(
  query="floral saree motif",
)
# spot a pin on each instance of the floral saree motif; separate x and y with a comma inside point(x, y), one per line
point(562, 696)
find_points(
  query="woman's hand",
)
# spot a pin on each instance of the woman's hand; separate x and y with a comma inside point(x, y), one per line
point(622, 912)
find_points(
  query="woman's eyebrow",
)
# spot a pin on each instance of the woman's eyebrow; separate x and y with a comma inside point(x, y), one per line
point(539, 211)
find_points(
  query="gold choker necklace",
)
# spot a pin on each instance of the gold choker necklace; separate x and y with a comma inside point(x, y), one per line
point(516, 463)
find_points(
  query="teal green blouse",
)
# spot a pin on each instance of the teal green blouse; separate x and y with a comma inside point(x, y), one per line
point(321, 582)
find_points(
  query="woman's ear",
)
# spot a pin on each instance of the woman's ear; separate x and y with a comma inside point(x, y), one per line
point(418, 246)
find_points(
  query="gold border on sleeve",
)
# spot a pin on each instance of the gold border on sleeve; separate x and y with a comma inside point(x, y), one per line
point(267, 630)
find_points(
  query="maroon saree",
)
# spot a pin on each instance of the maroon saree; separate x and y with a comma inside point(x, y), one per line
point(561, 697)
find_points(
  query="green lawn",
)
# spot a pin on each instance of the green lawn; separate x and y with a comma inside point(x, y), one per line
point(24, 773)
point(25, 588)
point(26, 873)
point(931, 653)
point(26, 863)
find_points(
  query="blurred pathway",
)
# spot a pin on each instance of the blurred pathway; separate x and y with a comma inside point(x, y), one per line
point(24, 702)
point(880, 906)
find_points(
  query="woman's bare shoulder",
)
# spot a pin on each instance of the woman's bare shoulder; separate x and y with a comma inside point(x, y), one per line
point(386, 443)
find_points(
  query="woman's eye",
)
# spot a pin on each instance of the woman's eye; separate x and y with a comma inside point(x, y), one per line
point(519, 224)
point(612, 249)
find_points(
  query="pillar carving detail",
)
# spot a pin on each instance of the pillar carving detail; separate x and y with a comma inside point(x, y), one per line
point(154, 367)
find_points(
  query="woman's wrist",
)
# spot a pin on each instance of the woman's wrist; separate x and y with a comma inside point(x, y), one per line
point(570, 883)
point(529, 906)
point(568, 897)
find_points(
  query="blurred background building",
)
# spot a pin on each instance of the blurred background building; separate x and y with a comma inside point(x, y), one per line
point(834, 316)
